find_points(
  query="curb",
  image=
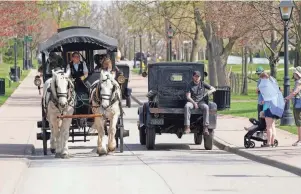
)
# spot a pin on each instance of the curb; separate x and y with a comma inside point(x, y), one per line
point(222, 145)
point(274, 163)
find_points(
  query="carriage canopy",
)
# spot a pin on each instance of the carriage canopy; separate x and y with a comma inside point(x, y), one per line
point(78, 38)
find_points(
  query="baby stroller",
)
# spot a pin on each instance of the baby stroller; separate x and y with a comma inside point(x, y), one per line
point(257, 132)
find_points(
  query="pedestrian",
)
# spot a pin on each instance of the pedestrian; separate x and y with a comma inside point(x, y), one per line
point(296, 95)
point(273, 105)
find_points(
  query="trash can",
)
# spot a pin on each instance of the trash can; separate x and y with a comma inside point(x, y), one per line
point(221, 97)
point(12, 73)
point(2, 86)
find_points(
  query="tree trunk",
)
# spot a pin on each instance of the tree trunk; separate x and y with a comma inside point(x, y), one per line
point(211, 65)
point(245, 73)
point(251, 56)
point(1, 58)
point(298, 55)
point(273, 61)
point(274, 58)
point(195, 41)
point(221, 59)
point(194, 48)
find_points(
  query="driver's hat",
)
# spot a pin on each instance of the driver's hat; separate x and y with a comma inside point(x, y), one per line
point(196, 73)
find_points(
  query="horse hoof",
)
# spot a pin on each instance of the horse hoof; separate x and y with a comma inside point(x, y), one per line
point(101, 151)
point(111, 149)
point(65, 156)
point(52, 151)
point(57, 155)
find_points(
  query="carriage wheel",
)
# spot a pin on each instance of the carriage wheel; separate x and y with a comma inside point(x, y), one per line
point(121, 131)
point(129, 101)
point(44, 131)
point(44, 135)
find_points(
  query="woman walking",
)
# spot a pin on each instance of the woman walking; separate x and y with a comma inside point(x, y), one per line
point(296, 94)
point(273, 105)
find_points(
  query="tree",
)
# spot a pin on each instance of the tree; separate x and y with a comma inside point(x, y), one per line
point(66, 13)
point(221, 21)
point(269, 30)
point(14, 13)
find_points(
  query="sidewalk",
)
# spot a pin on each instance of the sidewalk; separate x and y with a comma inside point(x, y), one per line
point(230, 132)
point(18, 117)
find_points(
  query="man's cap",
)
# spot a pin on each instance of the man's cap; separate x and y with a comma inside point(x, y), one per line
point(259, 70)
point(196, 73)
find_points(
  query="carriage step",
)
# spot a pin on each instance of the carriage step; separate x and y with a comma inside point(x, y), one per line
point(40, 136)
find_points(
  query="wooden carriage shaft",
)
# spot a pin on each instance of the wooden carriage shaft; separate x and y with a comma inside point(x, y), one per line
point(80, 116)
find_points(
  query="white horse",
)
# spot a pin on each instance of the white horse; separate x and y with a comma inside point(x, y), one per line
point(105, 99)
point(59, 99)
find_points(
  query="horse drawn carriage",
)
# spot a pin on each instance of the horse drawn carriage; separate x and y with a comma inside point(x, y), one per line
point(86, 111)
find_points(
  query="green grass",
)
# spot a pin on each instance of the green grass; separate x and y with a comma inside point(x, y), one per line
point(4, 73)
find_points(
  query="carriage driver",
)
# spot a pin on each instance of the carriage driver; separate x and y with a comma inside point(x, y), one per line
point(195, 92)
point(78, 71)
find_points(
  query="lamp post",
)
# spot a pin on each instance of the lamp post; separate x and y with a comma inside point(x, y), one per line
point(134, 51)
point(16, 78)
point(170, 33)
point(141, 59)
point(286, 9)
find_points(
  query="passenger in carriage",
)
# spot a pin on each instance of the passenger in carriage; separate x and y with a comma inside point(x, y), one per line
point(54, 61)
point(107, 66)
point(78, 71)
point(98, 59)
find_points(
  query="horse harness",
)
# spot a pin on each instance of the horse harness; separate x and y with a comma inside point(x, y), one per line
point(97, 97)
point(58, 95)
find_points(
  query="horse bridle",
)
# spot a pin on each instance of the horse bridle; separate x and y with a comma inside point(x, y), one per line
point(65, 94)
point(100, 96)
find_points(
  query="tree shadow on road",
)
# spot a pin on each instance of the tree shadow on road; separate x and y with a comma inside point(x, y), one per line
point(16, 150)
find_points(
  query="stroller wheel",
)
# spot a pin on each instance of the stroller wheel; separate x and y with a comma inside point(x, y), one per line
point(247, 144)
point(275, 142)
point(252, 144)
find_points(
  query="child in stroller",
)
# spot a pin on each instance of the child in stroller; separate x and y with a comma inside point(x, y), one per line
point(257, 132)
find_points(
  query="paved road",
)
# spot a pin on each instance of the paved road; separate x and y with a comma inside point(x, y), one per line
point(176, 166)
